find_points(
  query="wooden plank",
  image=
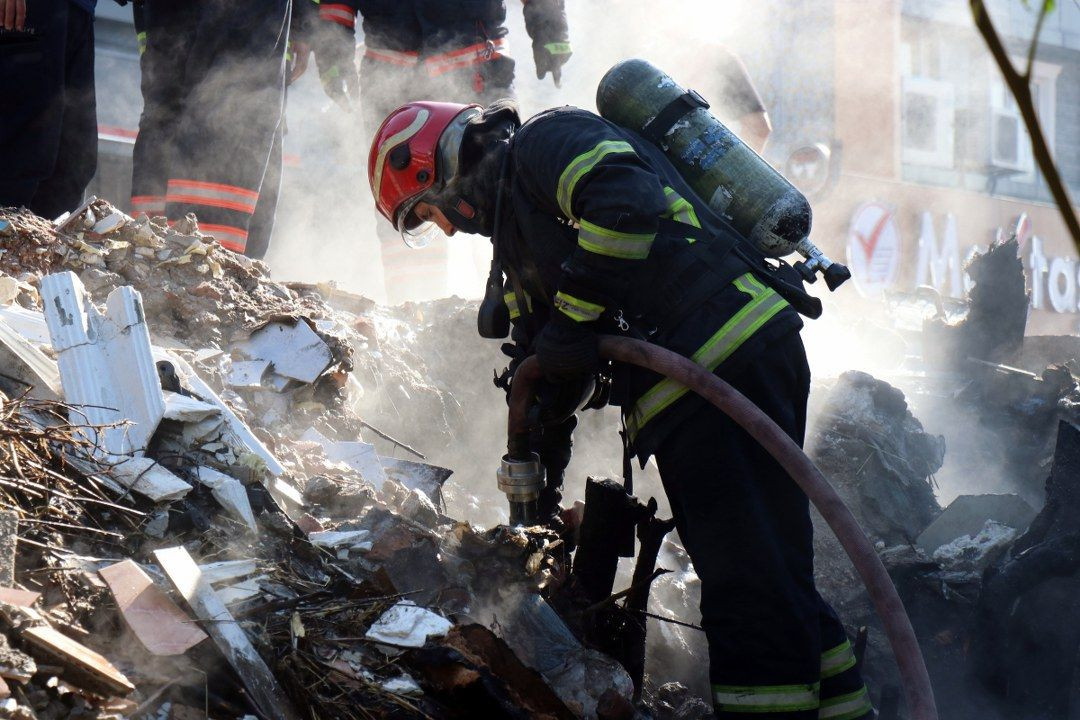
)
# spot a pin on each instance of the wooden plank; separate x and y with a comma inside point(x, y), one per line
point(161, 626)
point(18, 597)
point(89, 669)
point(228, 635)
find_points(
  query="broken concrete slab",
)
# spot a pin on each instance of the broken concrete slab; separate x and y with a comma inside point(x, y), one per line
point(106, 365)
point(28, 323)
point(295, 351)
point(84, 667)
point(248, 373)
point(230, 493)
point(239, 434)
point(226, 570)
point(360, 456)
point(968, 514)
point(161, 626)
point(426, 478)
point(243, 590)
point(337, 538)
point(406, 625)
point(183, 408)
point(146, 477)
point(228, 635)
point(22, 361)
point(978, 550)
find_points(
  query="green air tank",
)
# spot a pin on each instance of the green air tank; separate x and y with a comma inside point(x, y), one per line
point(733, 179)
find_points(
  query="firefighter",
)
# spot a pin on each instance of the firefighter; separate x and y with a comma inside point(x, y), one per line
point(213, 84)
point(415, 49)
point(48, 130)
point(600, 234)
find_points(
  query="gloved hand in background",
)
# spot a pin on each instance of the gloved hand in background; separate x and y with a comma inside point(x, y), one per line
point(566, 350)
point(334, 47)
point(545, 21)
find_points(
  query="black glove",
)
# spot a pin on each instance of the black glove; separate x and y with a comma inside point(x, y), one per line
point(334, 47)
point(545, 21)
point(566, 349)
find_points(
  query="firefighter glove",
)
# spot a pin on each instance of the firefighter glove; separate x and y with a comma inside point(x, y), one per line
point(566, 350)
point(545, 21)
point(335, 57)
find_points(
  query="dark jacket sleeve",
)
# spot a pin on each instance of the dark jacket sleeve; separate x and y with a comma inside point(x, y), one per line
point(579, 166)
point(545, 21)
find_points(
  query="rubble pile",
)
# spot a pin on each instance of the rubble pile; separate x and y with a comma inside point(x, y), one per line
point(197, 527)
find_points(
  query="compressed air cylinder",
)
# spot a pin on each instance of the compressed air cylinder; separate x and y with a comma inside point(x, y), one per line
point(736, 182)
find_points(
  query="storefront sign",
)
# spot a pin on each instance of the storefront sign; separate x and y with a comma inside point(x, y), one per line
point(873, 249)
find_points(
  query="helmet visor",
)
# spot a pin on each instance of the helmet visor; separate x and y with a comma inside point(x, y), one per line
point(415, 232)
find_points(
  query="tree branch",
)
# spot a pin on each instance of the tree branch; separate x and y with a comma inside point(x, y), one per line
point(1021, 91)
point(1043, 12)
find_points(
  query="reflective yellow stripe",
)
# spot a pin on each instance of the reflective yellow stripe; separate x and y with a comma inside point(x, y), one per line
point(763, 305)
point(140, 41)
point(680, 210)
point(510, 299)
point(837, 660)
point(580, 166)
point(576, 308)
point(846, 707)
point(612, 243)
point(558, 48)
point(765, 698)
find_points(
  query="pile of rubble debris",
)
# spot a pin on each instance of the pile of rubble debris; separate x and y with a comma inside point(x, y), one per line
point(191, 524)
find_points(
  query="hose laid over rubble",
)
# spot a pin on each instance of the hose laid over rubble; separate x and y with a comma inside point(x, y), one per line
point(916, 680)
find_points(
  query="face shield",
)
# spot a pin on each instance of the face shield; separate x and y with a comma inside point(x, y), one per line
point(418, 233)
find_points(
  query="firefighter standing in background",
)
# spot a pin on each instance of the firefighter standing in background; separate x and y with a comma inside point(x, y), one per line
point(48, 112)
point(213, 84)
point(416, 49)
point(601, 234)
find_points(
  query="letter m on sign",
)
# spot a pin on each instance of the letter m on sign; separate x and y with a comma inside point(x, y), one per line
point(939, 265)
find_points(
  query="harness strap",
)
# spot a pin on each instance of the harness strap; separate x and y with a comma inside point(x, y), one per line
point(657, 128)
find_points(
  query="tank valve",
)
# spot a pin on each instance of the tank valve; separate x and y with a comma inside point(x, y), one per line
point(522, 481)
point(834, 273)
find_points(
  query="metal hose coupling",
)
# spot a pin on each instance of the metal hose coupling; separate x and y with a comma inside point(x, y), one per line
point(521, 480)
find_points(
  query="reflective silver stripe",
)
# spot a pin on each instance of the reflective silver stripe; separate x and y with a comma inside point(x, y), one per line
point(576, 308)
point(765, 698)
point(580, 166)
point(600, 240)
point(471, 55)
point(392, 142)
point(837, 660)
point(763, 305)
point(846, 707)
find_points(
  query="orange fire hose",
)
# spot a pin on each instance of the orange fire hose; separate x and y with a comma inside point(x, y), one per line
point(913, 674)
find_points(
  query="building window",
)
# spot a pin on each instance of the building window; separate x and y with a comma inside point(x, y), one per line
point(1010, 145)
point(927, 122)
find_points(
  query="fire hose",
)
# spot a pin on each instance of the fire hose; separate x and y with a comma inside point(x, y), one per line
point(913, 674)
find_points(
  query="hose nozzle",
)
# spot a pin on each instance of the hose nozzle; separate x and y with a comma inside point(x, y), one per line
point(521, 480)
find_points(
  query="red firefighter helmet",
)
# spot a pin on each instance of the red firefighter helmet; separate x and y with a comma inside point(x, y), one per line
point(410, 155)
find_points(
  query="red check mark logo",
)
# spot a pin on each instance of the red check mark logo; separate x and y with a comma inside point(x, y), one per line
point(869, 244)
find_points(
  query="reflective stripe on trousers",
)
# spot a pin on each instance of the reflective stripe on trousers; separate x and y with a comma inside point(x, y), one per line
point(764, 303)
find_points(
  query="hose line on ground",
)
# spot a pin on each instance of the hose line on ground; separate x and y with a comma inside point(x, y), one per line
point(913, 674)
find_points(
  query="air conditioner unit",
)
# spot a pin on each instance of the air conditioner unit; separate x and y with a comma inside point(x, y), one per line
point(1006, 136)
point(927, 122)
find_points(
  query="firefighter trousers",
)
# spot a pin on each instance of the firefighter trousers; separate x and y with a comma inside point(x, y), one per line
point(775, 647)
point(214, 92)
point(48, 114)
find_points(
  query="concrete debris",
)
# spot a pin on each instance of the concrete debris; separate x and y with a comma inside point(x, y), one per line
point(407, 626)
point(230, 493)
point(293, 350)
point(976, 551)
point(968, 514)
point(879, 458)
point(161, 626)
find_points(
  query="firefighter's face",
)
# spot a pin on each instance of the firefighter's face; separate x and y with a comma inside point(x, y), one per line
point(429, 213)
